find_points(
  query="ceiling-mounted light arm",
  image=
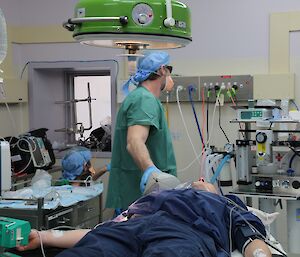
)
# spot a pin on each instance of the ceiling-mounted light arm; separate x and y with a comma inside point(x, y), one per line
point(71, 23)
point(169, 21)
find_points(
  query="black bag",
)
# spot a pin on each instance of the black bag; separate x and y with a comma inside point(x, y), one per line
point(20, 154)
point(101, 139)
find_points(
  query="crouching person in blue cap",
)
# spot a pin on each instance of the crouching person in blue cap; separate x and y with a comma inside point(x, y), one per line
point(142, 142)
point(76, 165)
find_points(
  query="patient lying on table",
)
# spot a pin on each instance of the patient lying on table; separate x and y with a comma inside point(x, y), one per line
point(180, 222)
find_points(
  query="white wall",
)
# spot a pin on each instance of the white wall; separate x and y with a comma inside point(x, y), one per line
point(229, 37)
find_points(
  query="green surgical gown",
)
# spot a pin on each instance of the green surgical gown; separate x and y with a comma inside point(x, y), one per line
point(139, 108)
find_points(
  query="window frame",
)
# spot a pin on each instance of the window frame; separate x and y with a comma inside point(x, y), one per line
point(64, 69)
point(71, 112)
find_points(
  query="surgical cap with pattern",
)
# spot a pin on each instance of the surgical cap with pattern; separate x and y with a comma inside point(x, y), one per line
point(146, 65)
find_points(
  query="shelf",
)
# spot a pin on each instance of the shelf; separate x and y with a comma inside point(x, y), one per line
point(266, 121)
point(244, 107)
point(253, 193)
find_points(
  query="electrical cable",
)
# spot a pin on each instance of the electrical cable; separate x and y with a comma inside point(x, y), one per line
point(293, 102)
point(26, 151)
point(80, 61)
point(29, 145)
point(207, 114)
point(23, 70)
point(230, 96)
point(232, 209)
point(249, 224)
point(183, 121)
point(292, 159)
point(26, 166)
point(295, 151)
point(276, 249)
point(243, 134)
point(41, 243)
point(191, 163)
point(220, 126)
point(88, 180)
point(203, 113)
point(213, 117)
point(191, 88)
point(286, 156)
point(202, 162)
point(235, 104)
point(219, 184)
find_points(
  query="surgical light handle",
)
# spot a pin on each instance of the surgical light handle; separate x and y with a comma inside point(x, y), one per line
point(169, 21)
point(70, 24)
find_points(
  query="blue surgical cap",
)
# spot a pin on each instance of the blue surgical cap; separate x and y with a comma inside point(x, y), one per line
point(149, 63)
point(73, 162)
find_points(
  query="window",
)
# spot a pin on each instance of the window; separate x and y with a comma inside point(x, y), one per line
point(100, 93)
point(76, 101)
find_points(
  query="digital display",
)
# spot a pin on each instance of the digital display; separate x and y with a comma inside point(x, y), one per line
point(248, 115)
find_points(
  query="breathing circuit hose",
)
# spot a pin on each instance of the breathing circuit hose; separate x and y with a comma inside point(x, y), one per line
point(219, 169)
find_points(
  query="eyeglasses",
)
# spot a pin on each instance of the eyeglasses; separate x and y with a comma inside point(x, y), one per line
point(170, 68)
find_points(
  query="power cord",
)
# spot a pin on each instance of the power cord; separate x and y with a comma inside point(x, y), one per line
point(179, 88)
point(191, 89)
point(249, 224)
point(41, 243)
point(207, 113)
point(220, 126)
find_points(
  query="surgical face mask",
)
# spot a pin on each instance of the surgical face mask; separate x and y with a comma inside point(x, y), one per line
point(169, 84)
point(164, 74)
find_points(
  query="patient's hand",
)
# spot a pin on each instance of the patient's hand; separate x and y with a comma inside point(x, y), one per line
point(33, 241)
point(202, 185)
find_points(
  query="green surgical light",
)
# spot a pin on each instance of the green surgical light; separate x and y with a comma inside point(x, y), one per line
point(130, 24)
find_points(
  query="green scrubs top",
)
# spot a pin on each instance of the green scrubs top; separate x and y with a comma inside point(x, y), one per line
point(140, 107)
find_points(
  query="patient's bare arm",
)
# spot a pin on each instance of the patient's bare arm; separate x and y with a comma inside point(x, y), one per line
point(257, 246)
point(53, 238)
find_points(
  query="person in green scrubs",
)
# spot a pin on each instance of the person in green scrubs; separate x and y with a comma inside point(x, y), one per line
point(142, 142)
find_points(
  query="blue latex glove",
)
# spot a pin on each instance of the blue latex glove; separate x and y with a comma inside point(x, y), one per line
point(146, 175)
